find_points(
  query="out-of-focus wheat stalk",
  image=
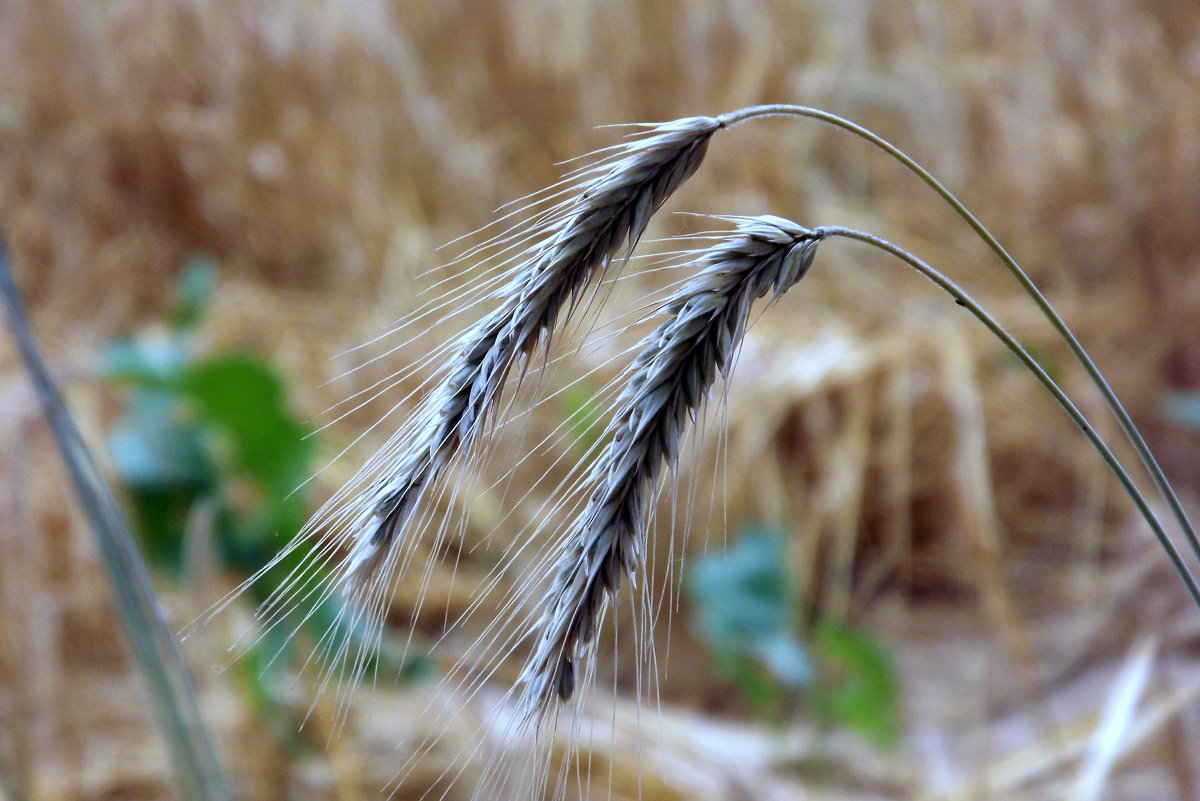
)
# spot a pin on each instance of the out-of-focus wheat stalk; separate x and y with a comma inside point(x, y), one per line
point(665, 387)
point(172, 694)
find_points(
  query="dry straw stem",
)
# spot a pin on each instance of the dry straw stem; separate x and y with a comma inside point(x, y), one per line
point(666, 386)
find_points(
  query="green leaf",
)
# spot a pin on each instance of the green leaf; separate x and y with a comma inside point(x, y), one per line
point(217, 430)
point(583, 417)
point(860, 688)
point(154, 448)
point(155, 363)
point(162, 458)
point(243, 398)
point(761, 690)
point(193, 292)
point(1183, 409)
point(743, 602)
point(786, 658)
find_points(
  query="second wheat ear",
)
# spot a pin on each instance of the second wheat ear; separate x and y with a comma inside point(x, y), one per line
point(665, 387)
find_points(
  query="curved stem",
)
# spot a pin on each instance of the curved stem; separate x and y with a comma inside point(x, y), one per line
point(1097, 378)
point(965, 300)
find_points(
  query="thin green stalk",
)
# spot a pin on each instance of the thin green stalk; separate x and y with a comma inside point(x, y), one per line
point(1097, 378)
point(172, 696)
point(965, 300)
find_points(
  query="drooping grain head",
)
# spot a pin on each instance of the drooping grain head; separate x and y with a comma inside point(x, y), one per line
point(666, 386)
point(612, 210)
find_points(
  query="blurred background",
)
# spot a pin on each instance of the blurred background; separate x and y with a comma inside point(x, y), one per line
point(207, 204)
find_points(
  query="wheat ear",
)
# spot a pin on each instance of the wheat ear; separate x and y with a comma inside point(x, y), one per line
point(610, 212)
point(667, 384)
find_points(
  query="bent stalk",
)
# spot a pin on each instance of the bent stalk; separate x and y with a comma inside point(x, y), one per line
point(965, 300)
point(1081, 355)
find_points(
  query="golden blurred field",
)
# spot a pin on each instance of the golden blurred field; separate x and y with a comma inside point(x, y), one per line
point(322, 152)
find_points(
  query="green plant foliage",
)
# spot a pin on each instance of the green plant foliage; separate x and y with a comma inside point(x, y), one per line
point(859, 687)
point(214, 434)
point(584, 417)
point(193, 292)
point(1183, 409)
point(744, 606)
point(212, 430)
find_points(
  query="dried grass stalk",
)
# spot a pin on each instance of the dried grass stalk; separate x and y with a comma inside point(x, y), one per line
point(667, 385)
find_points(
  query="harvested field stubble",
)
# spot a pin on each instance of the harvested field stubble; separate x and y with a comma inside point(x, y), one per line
point(934, 495)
